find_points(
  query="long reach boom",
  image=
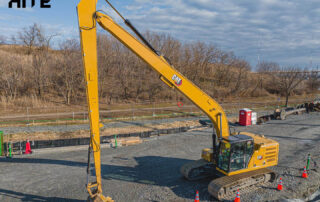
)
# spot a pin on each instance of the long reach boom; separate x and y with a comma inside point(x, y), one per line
point(88, 18)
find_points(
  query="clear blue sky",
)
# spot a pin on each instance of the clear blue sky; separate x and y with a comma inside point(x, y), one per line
point(286, 31)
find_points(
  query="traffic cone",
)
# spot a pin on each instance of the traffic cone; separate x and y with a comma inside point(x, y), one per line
point(237, 199)
point(197, 197)
point(280, 184)
point(304, 174)
point(28, 148)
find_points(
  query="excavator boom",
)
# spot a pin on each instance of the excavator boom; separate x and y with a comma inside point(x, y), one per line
point(168, 74)
point(88, 35)
point(242, 159)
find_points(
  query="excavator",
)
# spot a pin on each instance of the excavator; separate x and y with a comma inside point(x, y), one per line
point(234, 161)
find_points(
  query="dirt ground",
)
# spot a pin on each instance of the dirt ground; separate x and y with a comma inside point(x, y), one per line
point(150, 171)
point(132, 127)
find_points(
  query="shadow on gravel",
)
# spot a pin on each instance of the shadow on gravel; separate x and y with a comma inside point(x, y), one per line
point(294, 138)
point(148, 170)
point(29, 197)
point(43, 161)
point(159, 171)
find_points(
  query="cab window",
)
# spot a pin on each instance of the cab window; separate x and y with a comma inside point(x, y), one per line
point(224, 156)
point(240, 155)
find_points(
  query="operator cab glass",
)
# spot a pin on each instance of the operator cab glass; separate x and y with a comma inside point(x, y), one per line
point(235, 153)
point(224, 155)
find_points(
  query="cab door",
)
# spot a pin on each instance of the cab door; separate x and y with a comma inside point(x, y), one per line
point(241, 153)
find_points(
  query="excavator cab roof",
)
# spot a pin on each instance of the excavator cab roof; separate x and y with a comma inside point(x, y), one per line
point(238, 138)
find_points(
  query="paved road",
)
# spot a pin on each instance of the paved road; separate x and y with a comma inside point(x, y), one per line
point(150, 171)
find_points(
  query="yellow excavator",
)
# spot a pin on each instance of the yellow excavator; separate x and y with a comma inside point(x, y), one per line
point(236, 161)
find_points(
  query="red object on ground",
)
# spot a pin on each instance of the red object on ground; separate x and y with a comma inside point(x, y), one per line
point(245, 117)
point(304, 174)
point(280, 185)
point(237, 199)
point(197, 197)
point(28, 148)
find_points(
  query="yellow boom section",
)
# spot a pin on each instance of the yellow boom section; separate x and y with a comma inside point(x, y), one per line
point(87, 26)
point(169, 74)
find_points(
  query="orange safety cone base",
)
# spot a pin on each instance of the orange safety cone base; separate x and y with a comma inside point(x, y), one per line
point(237, 199)
point(279, 188)
point(28, 148)
point(197, 197)
point(304, 174)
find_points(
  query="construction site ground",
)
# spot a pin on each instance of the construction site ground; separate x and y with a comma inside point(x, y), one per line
point(150, 171)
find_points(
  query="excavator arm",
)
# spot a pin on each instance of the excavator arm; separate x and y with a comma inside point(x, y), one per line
point(88, 18)
point(87, 27)
point(168, 74)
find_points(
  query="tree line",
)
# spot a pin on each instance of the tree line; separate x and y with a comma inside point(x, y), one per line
point(31, 67)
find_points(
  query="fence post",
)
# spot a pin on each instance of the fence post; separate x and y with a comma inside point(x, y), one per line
point(10, 149)
point(73, 116)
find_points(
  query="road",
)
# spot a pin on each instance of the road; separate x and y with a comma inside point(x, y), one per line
point(150, 171)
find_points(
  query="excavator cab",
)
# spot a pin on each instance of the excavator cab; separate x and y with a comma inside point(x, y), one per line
point(234, 153)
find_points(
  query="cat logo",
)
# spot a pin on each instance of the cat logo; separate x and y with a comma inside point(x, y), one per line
point(177, 80)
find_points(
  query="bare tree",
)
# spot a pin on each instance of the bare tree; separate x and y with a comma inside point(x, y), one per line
point(288, 79)
point(35, 36)
point(67, 74)
point(28, 37)
point(313, 82)
point(39, 68)
point(267, 67)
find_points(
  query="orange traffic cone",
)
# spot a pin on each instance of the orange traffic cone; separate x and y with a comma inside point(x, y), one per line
point(280, 184)
point(197, 197)
point(237, 199)
point(304, 174)
point(28, 148)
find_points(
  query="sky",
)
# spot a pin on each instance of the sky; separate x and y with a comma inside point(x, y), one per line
point(282, 31)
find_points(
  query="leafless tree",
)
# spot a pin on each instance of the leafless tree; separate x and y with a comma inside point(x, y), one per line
point(288, 79)
point(39, 69)
point(313, 82)
point(35, 36)
point(28, 37)
point(67, 74)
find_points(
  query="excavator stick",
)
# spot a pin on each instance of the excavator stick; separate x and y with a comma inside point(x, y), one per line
point(88, 35)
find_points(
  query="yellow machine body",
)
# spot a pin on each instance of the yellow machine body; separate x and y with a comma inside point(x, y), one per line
point(265, 152)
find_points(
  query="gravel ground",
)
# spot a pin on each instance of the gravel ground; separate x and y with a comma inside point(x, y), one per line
point(150, 171)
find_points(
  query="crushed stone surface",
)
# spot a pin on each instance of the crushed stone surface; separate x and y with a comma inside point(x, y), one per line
point(150, 171)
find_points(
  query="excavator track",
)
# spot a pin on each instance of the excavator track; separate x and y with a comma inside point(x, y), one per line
point(226, 187)
point(197, 170)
